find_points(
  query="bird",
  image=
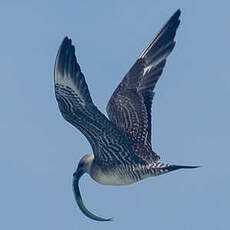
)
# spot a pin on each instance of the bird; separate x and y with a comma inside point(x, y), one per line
point(121, 143)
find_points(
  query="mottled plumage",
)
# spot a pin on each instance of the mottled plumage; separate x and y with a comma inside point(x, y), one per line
point(122, 150)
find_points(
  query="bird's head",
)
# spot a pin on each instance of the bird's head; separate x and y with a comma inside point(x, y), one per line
point(84, 165)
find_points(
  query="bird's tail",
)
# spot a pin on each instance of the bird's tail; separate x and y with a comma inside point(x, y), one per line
point(168, 168)
point(175, 167)
point(162, 168)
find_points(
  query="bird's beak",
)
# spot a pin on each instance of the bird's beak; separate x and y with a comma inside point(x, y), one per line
point(77, 174)
point(76, 177)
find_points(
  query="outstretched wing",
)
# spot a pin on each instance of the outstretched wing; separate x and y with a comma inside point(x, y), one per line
point(77, 107)
point(130, 105)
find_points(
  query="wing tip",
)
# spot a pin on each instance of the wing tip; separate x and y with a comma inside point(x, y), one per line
point(66, 41)
point(171, 25)
point(66, 45)
point(175, 16)
point(177, 13)
point(175, 19)
point(66, 51)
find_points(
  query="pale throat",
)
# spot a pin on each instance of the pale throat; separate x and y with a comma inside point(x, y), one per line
point(88, 159)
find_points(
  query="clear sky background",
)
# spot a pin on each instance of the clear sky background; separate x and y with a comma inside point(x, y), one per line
point(191, 112)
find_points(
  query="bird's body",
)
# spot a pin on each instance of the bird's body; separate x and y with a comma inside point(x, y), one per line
point(122, 150)
point(125, 173)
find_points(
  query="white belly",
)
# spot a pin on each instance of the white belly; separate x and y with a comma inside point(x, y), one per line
point(111, 178)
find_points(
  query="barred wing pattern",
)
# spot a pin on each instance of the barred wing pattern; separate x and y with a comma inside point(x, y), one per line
point(130, 105)
point(77, 107)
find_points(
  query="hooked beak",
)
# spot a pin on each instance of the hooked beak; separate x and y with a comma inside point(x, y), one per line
point(76, 177)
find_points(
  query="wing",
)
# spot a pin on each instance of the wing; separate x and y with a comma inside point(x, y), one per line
point(130, 105)
point(77, 107)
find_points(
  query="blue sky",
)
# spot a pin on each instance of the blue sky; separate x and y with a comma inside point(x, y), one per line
point(40, 150)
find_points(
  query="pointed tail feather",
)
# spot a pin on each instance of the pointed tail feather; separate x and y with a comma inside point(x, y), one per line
point(163, 168)
point(176, 167)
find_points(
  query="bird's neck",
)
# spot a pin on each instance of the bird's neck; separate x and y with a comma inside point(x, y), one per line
point(90, 160)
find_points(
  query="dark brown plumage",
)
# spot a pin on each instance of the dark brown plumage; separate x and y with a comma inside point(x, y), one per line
point(122, 150)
